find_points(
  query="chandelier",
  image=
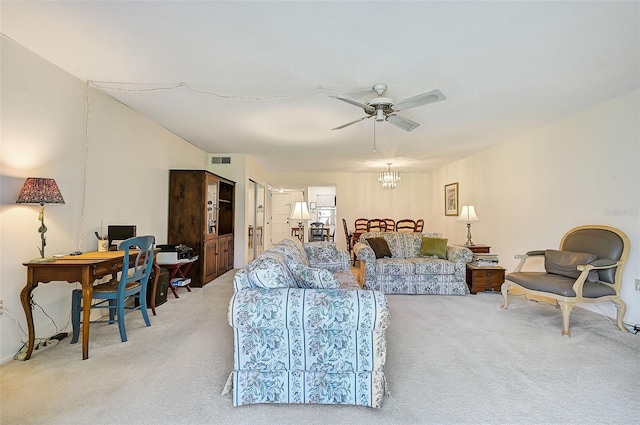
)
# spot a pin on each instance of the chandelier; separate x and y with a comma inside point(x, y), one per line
point(388, 178)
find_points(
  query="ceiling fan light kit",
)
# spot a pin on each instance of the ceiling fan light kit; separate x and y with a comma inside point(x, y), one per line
point(384, 108)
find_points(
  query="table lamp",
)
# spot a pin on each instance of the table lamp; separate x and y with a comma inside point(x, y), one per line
point(468, 215)
point(299, 212)
point(41, 191)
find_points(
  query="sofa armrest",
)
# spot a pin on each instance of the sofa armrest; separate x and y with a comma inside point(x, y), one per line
point(459, 254)
point(364, 252)
point(298, 308)
point(241, 280)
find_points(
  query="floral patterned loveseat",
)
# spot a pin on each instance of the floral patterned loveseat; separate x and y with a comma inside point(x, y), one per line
point(301, 336)
point(406, 272)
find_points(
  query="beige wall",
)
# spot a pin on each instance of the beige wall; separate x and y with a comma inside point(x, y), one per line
point(117, 174)
point(529, 191)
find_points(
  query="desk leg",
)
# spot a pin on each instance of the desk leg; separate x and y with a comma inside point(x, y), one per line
point(87, 297)
point(25, 299)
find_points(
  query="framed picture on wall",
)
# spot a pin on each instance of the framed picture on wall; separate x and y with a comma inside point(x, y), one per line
point(313, 206)
point(451, 199)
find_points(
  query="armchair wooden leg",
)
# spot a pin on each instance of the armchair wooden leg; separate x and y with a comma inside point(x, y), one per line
point(505, 292)
point(621, 309)
point(566, 313)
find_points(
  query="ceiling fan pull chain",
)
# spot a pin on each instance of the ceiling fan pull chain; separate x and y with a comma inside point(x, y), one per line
point(374, 136)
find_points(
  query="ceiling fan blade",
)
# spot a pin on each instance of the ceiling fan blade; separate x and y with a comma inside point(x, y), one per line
point(403, 123)
point(419, 100)
point(352, 122)
point(367, 108)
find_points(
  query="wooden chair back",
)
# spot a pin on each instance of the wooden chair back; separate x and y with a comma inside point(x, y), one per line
point(406, 225)
point(376, 225)
point(361, 224)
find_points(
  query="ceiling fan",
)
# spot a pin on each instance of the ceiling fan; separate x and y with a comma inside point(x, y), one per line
point(384, 109)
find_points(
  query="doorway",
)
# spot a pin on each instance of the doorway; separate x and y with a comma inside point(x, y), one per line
point(281, 202)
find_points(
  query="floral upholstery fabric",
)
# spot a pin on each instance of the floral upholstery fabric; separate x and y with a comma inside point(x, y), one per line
point(313, 277)
point(408, 273)
point(291, 251)
point(325, 255)
point(270, 271)
point(297, 345)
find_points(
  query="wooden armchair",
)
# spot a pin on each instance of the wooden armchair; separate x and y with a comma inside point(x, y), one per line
point(586, 269)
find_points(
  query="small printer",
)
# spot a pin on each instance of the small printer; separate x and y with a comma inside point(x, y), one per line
point(173, 253)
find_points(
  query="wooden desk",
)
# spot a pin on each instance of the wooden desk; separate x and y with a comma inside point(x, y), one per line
point(298, 232)
point(258, 235)
point(85, 269)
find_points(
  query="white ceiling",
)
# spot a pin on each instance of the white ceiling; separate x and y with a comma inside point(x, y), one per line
point(256, 77)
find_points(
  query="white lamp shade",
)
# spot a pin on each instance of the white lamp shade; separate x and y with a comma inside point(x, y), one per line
point(468, 214)
point(299, 211)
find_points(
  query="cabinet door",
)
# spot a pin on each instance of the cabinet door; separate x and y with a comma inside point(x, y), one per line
point(230, 253)
point(210, 261)
point(222, 258)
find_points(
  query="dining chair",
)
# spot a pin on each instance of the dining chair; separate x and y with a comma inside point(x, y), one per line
point(361, 225)
point(419, 225)
point(376, 225)
point(405, 225)
point(391, 224)
point(316, 232)
point(350, 242)
point(113, 294)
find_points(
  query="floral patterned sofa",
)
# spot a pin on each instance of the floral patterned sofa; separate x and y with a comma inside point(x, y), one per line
point(301, 336)
point(406, 272)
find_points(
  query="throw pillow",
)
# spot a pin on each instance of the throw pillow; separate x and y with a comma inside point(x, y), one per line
point(270, 272)
point(564, 263)
point(434, 247)
point(313, 277)
point(380, 247)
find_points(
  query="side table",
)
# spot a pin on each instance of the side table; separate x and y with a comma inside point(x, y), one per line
point(179, 269)
point(478, 249)
point(484, 278)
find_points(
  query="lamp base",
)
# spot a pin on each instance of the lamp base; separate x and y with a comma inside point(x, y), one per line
point(469, 243)
point(43, 260)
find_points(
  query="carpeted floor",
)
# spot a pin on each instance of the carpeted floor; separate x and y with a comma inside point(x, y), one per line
point(450, 360)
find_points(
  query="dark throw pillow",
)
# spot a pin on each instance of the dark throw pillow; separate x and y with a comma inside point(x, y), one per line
point(380, 247)
point(434, 247)
point(564, 263)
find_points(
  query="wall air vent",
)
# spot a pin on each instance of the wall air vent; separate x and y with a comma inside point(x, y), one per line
point(221, 160)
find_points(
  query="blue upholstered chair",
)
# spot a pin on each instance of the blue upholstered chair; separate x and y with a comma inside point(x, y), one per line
point(112, 295)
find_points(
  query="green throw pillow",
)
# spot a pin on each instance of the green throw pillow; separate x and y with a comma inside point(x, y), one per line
point(434, 247)
point(380, 247)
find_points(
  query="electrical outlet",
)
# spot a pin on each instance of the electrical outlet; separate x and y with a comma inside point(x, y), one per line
point(637, 284)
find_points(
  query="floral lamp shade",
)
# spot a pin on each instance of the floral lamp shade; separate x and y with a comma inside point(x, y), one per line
point(36, 190)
